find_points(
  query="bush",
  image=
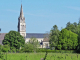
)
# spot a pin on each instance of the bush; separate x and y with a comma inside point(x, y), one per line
point(56, 51)
point(5, 48)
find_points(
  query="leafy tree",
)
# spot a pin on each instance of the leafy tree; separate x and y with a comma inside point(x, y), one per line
point(30, 46)
point(67, 40)
point(27, 48)
point(68, 24)
point(34, 43)
point(54, 34)
point(73, 27)
point(13, 39)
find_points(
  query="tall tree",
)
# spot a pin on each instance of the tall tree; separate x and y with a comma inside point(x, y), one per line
point(54, 34)
point(67, 40)
point(68, 24)
point(72, 27)
point(13, 39)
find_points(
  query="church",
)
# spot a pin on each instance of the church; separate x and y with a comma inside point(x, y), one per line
point(41, 37)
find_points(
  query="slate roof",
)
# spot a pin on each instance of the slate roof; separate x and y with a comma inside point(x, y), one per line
point(36, 35)
point(28, 35)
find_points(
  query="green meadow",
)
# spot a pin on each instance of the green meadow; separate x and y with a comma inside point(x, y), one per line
point(38, 56)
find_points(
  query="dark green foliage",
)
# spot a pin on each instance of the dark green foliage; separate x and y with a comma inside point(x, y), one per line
point(54, 34)
point(67, 40)
point(13, 39)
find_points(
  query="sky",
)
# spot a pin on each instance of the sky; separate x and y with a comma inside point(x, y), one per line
point(40, 15)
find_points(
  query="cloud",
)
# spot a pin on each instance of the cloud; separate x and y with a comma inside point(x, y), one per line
point(74, 8)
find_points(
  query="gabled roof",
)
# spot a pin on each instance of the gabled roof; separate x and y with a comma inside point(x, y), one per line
point(36, 35)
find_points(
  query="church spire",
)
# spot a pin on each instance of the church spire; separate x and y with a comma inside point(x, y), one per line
point(21, 12)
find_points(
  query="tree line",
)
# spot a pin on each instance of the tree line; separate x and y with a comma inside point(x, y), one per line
point(66, 39)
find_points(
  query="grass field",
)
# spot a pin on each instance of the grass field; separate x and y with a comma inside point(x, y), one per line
point(38, 56)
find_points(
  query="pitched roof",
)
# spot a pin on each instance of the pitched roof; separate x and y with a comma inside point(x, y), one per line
point(46, 40)
point(36, 35)
point(2, 36)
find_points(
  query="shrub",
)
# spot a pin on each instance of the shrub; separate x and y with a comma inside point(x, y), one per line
point(5, 48)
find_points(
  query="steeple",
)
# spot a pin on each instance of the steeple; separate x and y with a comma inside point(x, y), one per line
point(21, 23)
point(21, 12)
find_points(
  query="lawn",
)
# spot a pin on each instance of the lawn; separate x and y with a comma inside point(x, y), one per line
point(24, 56)
point(38, 56)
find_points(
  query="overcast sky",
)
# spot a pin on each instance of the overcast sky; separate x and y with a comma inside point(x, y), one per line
point(40, 15)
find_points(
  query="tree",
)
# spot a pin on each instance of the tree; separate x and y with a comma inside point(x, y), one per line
point(27, 48)
point(67, 40)
point(68, 24)
point(14, 40)
point(34, 42)
point(79, 22)
point(54, 34)
point(73, 27)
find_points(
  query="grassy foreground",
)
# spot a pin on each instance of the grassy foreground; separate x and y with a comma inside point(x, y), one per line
point(38, 56)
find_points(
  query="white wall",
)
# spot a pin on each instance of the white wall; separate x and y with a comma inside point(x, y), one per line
point(39, 39)
point(44, 44)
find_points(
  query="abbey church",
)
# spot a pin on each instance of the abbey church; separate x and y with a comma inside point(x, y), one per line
point(44, 42)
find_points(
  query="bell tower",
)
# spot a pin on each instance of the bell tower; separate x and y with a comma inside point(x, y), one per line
point(21, 23)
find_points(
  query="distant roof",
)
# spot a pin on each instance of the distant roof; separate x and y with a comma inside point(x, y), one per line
point(46, 40)
point(28, 35)
point(36, 35)
point(2, 36)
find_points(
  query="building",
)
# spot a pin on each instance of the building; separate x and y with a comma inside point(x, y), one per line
point(41, 37)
